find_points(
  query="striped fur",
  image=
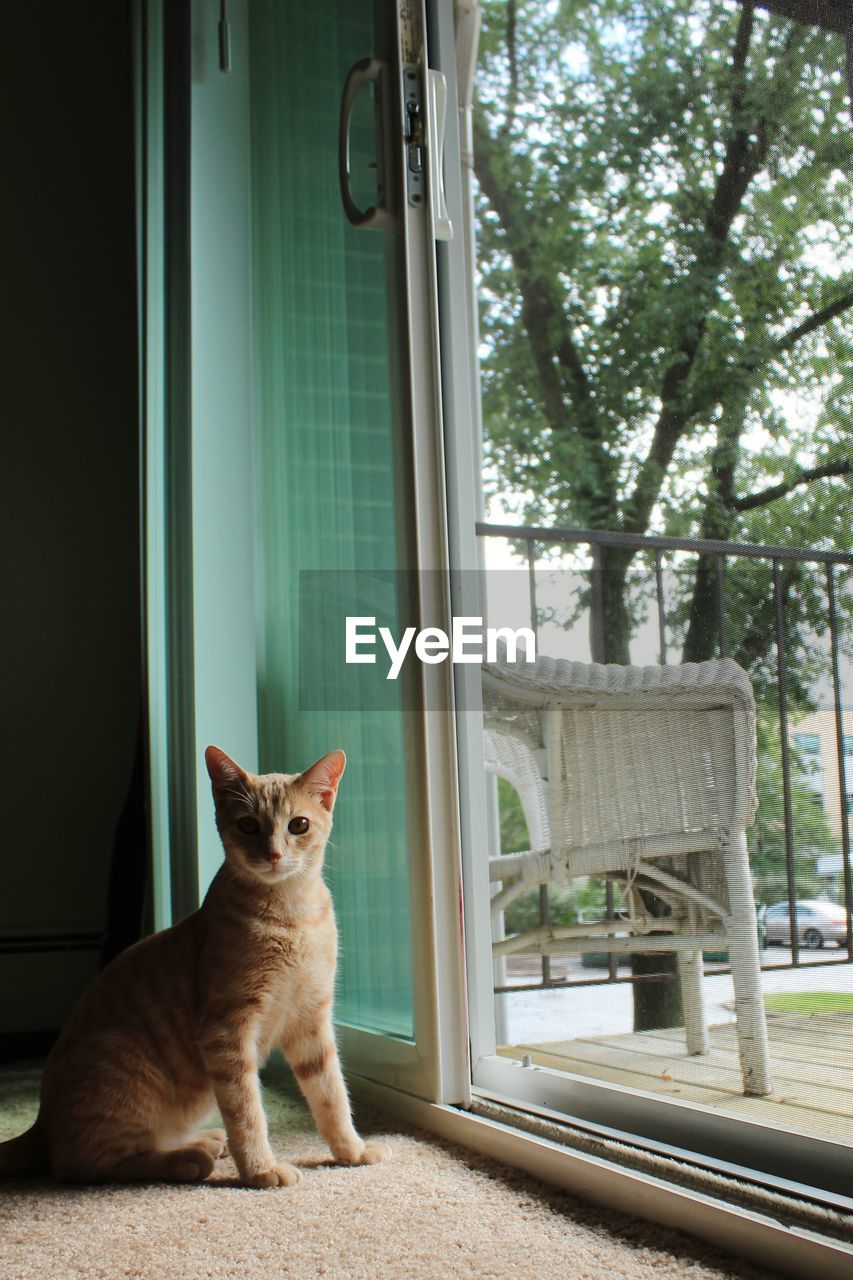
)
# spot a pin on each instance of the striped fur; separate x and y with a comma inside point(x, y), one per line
point(182, 1021)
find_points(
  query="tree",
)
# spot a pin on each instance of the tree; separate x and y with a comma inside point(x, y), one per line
point(667, 292)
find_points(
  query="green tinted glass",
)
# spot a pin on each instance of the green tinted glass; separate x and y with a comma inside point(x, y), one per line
point(329, 476)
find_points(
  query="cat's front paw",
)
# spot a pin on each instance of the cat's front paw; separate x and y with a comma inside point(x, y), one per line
point(189, 1164)
point(366, 1153)
point(375, 1153)
point(215, 1141)
point(278, 1175)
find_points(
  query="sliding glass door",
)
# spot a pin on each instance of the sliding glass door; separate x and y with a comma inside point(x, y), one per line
point(341, 385)
point(660, 343)
point(309, 481)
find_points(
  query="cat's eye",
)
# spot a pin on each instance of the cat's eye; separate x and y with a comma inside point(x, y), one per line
point(249, 826)
point(298, 826)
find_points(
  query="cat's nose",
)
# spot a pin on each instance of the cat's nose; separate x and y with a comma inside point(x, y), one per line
point(272, 856)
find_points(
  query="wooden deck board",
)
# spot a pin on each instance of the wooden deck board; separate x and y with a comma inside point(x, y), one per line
point(811, 1061)
point(716, 1070)
point(829, 1043)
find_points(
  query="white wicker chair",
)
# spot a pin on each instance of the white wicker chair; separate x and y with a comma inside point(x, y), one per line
point(645, 776)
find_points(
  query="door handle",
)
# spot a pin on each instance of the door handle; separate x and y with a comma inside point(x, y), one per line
point(378, 217)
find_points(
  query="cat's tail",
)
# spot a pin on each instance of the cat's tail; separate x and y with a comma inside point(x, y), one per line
point(24, 1155)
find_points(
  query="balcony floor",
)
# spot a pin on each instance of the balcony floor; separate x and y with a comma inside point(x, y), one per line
point(810, 1059)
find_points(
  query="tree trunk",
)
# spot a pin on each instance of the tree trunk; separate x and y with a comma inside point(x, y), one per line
point(612, 645)
point(656, 1003)
point(702, 629)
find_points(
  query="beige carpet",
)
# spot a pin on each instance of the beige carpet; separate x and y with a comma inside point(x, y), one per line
point(432, 1213)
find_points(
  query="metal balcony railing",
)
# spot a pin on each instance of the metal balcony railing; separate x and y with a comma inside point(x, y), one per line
point(536, 540)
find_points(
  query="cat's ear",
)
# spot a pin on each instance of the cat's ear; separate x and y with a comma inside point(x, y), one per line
point(225, 773)
point(322, 779)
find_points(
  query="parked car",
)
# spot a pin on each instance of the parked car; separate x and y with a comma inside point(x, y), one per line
point(817, 923)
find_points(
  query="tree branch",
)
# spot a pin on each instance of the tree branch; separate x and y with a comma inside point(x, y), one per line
point(747, 368)
point(750, 501)
point(741, 163)
point(543, 317)
point(812, 322)
point(832, 15)
point(512, 96)
point(742, 159)
point(717, 518)
point(562, 377)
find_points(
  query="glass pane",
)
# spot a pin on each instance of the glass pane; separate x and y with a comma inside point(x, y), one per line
point(664, 230)
point(328, 466)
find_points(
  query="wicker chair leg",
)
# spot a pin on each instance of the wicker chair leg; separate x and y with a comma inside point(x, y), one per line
point(746, 969)
point(692, 997)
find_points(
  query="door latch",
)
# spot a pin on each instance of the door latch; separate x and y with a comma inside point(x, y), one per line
point(414, 136)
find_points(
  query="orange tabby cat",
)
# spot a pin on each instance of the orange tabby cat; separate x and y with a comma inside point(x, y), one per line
point(183, 1019)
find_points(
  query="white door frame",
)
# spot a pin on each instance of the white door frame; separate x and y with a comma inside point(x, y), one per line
point(435, 1066)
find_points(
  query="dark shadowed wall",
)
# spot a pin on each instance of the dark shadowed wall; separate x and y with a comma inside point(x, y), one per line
point(69, 479)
